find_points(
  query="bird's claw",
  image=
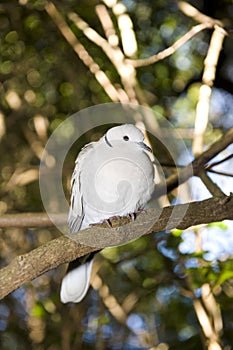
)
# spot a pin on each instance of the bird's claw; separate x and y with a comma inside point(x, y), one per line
point(117, 220)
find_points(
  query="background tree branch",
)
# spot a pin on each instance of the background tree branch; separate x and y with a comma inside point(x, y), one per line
point(198, 164)
point(171, 49)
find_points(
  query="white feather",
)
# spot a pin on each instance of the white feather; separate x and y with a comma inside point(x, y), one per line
point(76, 283)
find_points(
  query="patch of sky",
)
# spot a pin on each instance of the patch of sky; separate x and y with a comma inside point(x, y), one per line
point(168, 252)
point(164, 294)
point(4, 314)
point(186, 332)
point(136, 323)
point(217, 240)
point(221, 112)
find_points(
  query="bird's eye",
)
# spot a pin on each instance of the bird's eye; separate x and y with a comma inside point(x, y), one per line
point(126, 138)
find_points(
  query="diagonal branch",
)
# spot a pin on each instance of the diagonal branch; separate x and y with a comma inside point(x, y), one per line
point(115, 55)
point(82, 53)
point(198, 16)
point(26, 267)
point(222, 173)
point(212, 187)
point(171, 49)
point(198, 164)
point(210, 166)
point(107, 24)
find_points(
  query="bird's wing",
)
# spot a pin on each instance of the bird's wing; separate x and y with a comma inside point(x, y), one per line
point(76, 213)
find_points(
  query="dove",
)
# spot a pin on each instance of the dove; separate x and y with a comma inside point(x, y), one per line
point(112, 177)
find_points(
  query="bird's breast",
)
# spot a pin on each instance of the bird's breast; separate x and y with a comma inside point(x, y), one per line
point(116, 184)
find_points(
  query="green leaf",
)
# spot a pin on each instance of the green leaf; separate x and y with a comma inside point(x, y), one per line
point(38, 311)
point(177, 232)
point(219, 224)
point(226, 275)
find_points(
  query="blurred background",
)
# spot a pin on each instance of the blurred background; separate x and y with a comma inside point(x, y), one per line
point(147, 294)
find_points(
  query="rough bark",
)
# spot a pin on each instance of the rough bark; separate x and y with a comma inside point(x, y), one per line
point(28, 266)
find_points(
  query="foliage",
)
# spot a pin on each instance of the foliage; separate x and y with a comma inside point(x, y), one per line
point(149, 285)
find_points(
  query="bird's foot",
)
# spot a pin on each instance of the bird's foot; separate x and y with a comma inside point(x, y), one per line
point(132, 216)
point(116, 220)
point(107, 222)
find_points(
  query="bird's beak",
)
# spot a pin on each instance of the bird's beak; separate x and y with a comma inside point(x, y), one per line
point(145, 147)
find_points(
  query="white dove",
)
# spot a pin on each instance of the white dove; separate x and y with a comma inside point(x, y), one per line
point(112, 177)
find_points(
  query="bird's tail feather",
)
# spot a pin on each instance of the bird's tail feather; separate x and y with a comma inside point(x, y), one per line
point(76, 282)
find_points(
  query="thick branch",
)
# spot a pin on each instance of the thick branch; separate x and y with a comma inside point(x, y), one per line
point(26, 267)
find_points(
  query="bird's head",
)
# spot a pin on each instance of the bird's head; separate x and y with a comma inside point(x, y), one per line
point(126, 133)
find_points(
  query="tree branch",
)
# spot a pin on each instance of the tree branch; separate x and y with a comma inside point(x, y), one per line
point(28, 220)
point(222, 173)
point(26, 267)
point(198, 164)
point(198, 16)
point(82, 53)
point(210, 166)
point(203, 105)
point(212, 187)
point(171, 49)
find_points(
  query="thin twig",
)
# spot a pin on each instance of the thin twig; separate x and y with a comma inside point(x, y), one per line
point(192, 12)
point(211, 165)
point(223, 173)
point(171, 49)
